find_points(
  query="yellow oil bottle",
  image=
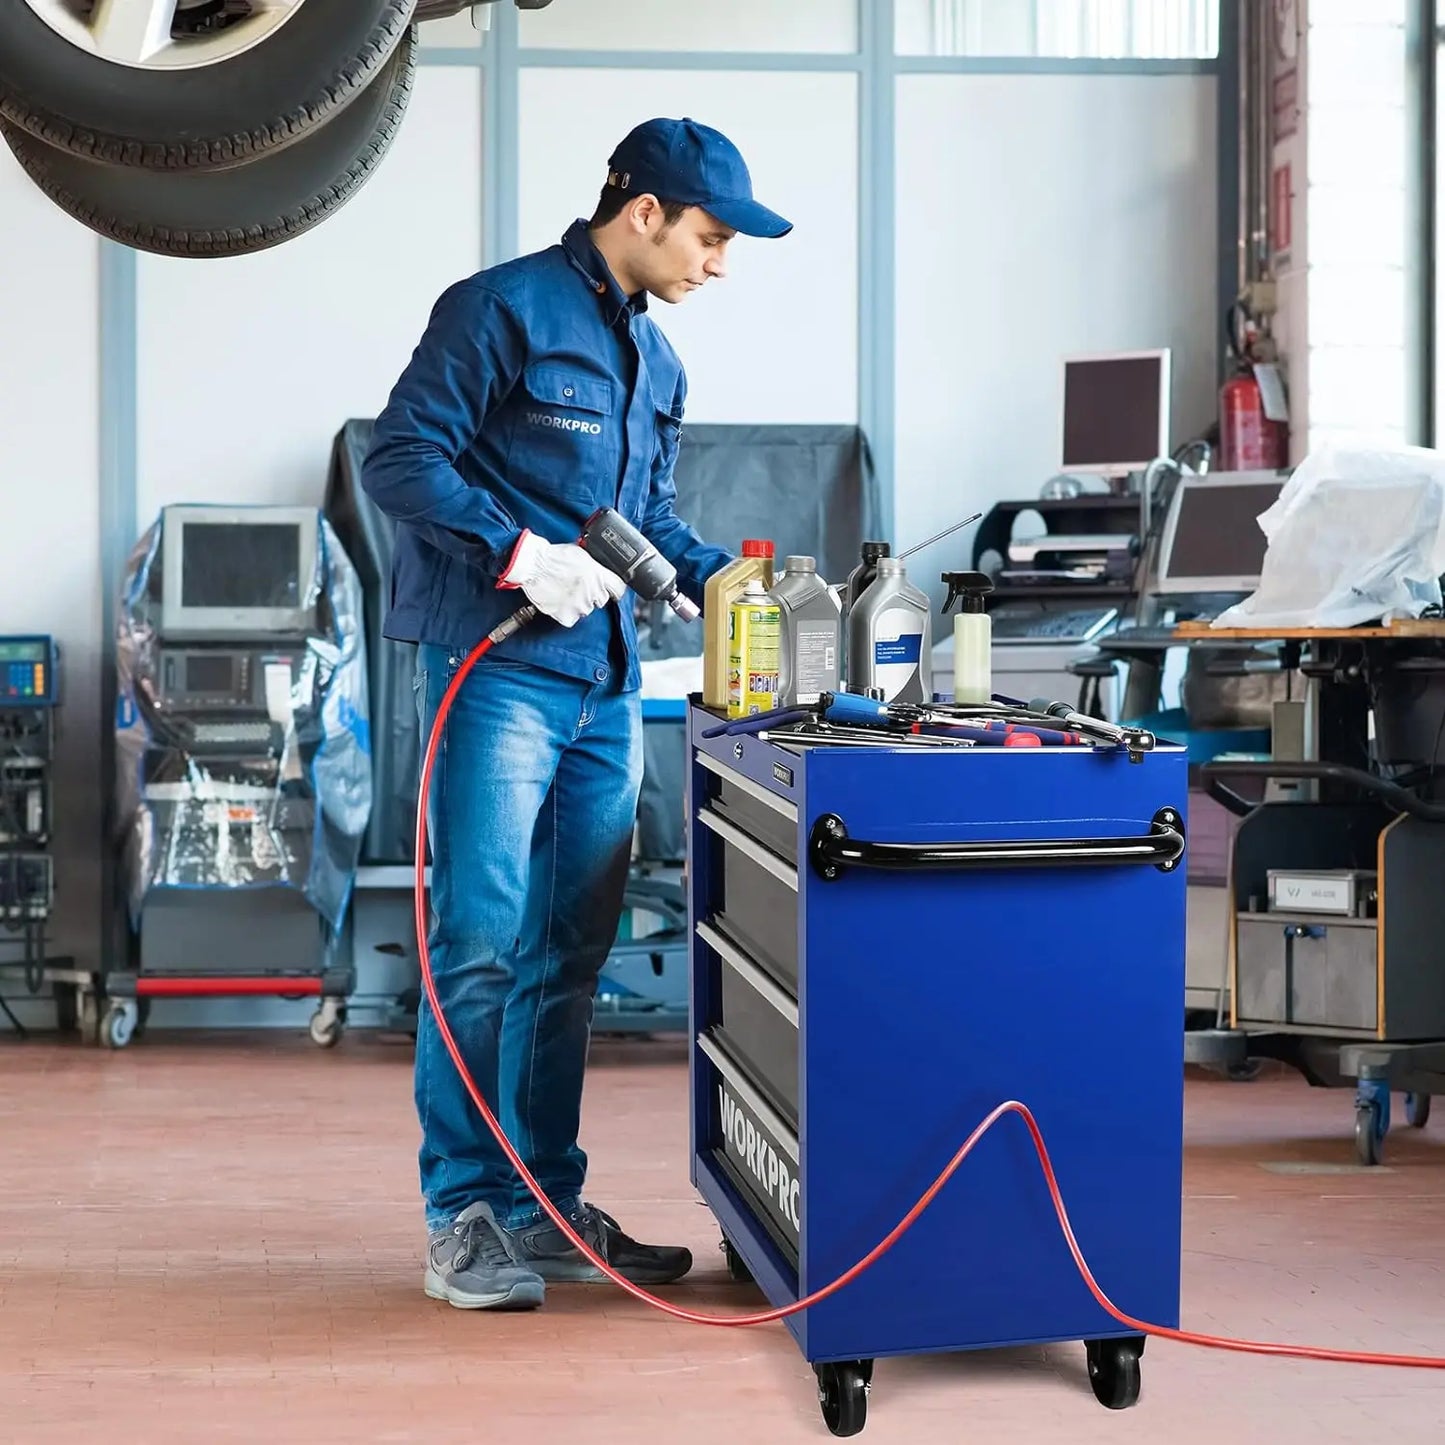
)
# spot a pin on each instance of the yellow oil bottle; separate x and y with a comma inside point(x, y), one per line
point(754, 651)
point(719, 593)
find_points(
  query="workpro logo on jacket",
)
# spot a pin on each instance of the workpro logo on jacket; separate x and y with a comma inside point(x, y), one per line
point(562, 423)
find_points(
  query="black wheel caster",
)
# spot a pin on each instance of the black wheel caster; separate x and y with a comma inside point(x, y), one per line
point(738, 1270)
point(1417, 1110)
point(1114, 1371)
point(1369, 1134)
point(843, 1394)
point(1245, 1073)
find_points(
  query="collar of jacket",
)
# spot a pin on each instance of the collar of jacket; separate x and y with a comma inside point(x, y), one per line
point(589, 262)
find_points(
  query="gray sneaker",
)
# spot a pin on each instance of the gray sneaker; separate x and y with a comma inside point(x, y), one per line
point(473, 1266)
point(543, 1247)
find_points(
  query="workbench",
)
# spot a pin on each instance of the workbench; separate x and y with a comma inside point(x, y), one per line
point(886, 944)
point(1350, 1000)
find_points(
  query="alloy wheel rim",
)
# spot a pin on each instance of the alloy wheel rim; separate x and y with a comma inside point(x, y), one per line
point(161, 35)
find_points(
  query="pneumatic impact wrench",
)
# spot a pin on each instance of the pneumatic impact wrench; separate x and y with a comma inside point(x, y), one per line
point(611, 540)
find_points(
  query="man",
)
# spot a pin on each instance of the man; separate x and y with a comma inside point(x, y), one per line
point(540, 391)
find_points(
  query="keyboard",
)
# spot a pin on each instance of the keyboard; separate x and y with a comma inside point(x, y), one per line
point(233, 735)
point(1146, 636)
point(1033, 624)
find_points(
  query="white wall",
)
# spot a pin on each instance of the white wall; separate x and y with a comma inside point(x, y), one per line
point(777, 339)
point(738, 25)
point(248, 367)
point(1037, 214)
point(49, 513)
point(1075, 213)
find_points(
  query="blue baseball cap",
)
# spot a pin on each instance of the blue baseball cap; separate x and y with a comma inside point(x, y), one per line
point(680, 160)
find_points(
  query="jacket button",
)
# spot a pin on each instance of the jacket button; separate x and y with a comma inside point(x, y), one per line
point(600, 674)
point(566, 391)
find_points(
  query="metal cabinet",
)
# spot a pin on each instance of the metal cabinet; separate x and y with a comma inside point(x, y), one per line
point(888, 943)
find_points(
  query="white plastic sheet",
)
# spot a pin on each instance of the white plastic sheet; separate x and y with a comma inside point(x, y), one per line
point(1354, 537)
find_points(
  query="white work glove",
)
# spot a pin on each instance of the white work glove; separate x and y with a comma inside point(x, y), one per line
point(561, 579)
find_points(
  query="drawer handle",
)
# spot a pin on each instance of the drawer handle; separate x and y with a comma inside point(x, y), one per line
point(749, 972)
point(782, 806)
point(728, 1071)
point(830, 848)
point(730, 833)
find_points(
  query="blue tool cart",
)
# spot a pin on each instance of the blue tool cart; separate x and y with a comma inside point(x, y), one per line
point(888, 942)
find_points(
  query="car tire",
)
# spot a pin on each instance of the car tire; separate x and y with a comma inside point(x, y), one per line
point(241, 209)
point(212, 115)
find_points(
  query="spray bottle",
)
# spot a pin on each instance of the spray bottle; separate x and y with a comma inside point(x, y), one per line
point(972, 636)
point(719, 593)
point(889, 638)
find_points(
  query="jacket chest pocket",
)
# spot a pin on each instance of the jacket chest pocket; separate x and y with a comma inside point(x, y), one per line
point(566, 429)
point(667, 434)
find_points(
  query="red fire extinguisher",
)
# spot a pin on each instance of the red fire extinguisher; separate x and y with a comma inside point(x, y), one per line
point(1249, 441)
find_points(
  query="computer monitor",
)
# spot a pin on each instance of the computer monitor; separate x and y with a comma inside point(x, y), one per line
point(1212, 540)
point(239, 571)
point(1116, 411)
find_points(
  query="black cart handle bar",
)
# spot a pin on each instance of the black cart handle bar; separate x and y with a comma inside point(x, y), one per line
point(831, 849)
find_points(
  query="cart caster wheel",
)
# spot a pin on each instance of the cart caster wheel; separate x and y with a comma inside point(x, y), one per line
point(1245, 1073)
point(1369, 1134)
point(327, 1024)
point(1114, 1372)
point(738, 1270)
point(118, 1023)
point(1417, 1110)
point(843, 1394)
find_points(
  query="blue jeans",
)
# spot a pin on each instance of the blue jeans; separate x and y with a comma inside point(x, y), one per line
point(533, 801)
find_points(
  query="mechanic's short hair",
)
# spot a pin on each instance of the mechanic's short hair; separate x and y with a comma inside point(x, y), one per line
point(613, 201)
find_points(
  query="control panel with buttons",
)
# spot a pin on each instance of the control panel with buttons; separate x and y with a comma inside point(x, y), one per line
point(27, 672)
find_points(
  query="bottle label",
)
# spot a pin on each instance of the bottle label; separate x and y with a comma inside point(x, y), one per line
point(754, 635)
point(907, 649)
point(897, 650)
point(815, 665)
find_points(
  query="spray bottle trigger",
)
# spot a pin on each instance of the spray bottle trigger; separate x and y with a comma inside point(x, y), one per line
point(966, 585)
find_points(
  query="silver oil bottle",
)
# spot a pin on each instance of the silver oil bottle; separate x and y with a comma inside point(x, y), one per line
point(812, 633)
point(890, 632)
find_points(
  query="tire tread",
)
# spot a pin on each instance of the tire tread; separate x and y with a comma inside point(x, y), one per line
point(351, 76)
point(237, 241)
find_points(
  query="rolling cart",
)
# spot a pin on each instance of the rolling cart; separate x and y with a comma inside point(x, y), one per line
point(887, 943)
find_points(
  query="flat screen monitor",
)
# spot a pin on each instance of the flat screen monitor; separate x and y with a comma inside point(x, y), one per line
point(239, 571)
point(1212, 540)
point(1116, 411)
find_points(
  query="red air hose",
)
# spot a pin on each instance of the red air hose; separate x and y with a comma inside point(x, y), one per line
point(1302, 1352)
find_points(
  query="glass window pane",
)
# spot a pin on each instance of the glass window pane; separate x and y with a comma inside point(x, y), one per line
point(1360, 387)
point(1356, 306)
point(1348, 142)
point(1059, 29)
point(456, 32)
point(1356, 225)
point(812, 26)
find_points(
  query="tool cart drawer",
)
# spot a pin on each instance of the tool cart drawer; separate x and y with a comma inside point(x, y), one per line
point(1309, 970)
point(758, 903)
point(753, 1145)
point(758, 1023)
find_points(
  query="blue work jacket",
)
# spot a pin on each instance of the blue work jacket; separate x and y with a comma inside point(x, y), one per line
point(538, 393)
